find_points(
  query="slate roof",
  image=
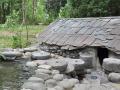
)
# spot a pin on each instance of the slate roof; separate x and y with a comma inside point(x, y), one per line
point(82, 32)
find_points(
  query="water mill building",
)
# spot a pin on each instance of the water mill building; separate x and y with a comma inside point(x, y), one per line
point(74, 37)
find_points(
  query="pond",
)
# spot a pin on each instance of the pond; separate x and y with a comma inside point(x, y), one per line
point(12, 75)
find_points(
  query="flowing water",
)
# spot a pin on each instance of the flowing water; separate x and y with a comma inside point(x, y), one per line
point(12, 75)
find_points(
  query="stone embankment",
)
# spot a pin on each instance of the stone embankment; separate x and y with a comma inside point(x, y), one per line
point(53, 72)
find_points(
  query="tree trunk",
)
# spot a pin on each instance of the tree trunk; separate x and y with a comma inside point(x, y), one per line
point(23, 12)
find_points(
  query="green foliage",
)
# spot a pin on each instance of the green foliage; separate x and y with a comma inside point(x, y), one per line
point(90, 8)
point(12, 20)
point(53, 8)
point(17, 43)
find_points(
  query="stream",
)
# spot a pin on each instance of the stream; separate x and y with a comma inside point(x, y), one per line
point(12, 74)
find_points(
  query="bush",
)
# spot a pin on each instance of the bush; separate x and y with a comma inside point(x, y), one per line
point(17, 43)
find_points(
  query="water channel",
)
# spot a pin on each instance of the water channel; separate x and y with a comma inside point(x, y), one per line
point(12, 75)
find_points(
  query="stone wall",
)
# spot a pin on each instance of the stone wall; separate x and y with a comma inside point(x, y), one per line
point(89, 54)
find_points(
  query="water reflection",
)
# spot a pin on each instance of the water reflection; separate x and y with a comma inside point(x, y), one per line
point(11, 75)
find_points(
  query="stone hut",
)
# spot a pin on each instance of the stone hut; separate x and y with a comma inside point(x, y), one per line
point(74, 37)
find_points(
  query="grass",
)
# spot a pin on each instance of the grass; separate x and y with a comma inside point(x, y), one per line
point(6, 34)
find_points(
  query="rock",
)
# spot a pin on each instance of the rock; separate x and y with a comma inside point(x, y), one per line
point(58, 77)
point(35, 79)
point(34, 86)
point(51, 88)
point(67, 84)
point(114, 77)
point(43, 76)
point(43, 71)
point(70, 68)
point(78, 63)
point(57, 64)
point(41, 62)
point(30, 49)
point(40, 55)
point(28, 54)
point(88, 59)
point(31, 64)
point(26, 89)
point(74, 81)
point(58, 88)
point(81, 87)
point(55, 72)
point(48, 67)
point(12, 54)
point(92, 87)
point(88, 71)
point(111, 64)
point(51, 83)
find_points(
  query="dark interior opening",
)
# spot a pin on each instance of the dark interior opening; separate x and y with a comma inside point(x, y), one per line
point(102, 53)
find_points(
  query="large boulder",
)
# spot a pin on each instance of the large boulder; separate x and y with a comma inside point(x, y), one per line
point(114, 77)
point(58, 64)
point(40, 55)
point(111, 64)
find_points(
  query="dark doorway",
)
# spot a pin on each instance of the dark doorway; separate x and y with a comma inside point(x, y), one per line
point(102, 53)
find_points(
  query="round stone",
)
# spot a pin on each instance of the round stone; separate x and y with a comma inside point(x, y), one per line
point(31, 64)
point(114, 77)
point(111, 64)
point(43, 76)
point(40, 55)
point(34, 86)
point(48, 67)
point(51, 83)
point(54, 72)
point(58, 88)
point(35, 79)
point(12, 54)
point(60, 65)
point(26, 89)
point(73, 81)
point(78, 63)
point(91, 87)
point(66, 84)
point(58, 77)
point(30, 49)
point(43, 71)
